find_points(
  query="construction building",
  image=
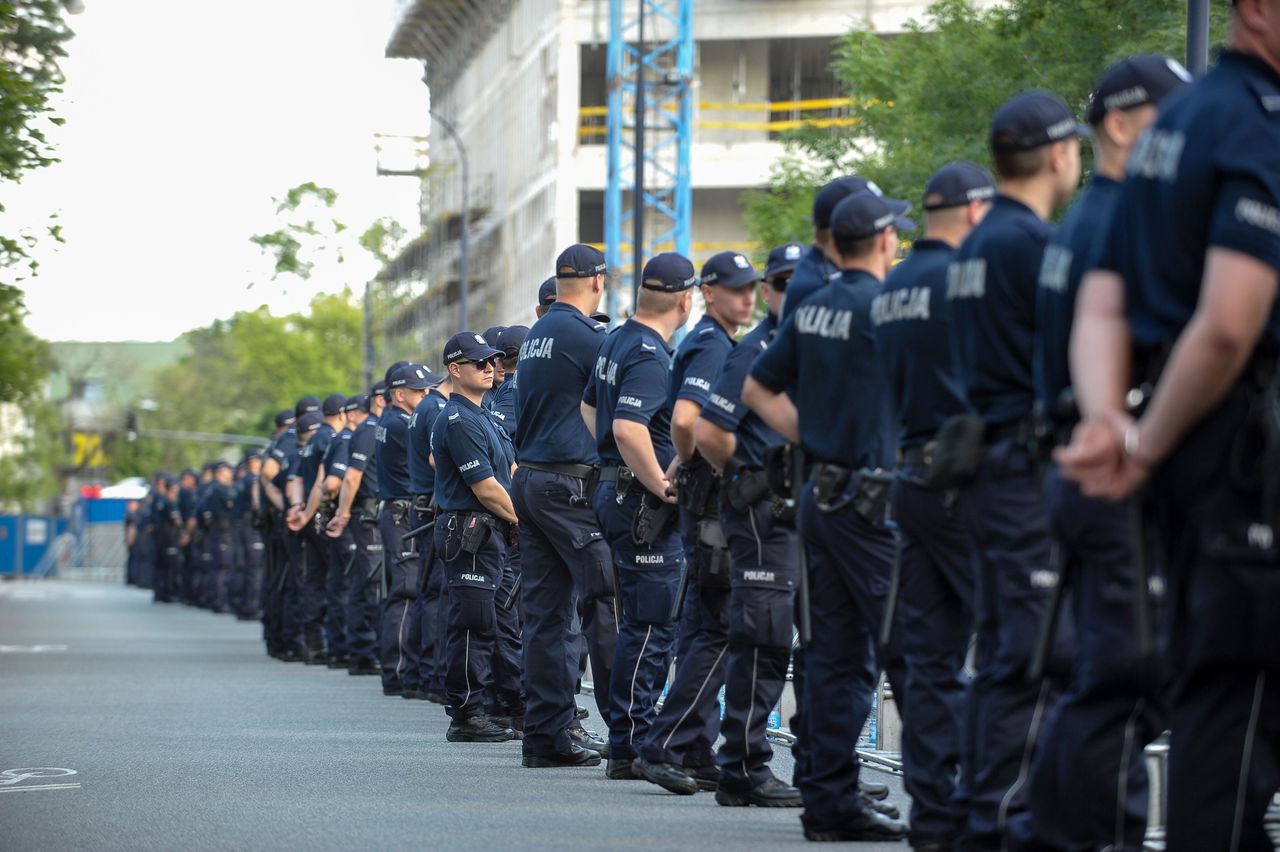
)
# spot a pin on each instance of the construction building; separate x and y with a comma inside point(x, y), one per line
point(526, 85)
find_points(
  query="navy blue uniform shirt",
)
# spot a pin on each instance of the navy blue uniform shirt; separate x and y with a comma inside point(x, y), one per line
point(725, 408)
point(1207, 174)
point(468, 449)
point(392, 454)
point(220, 502)
point(698, 361)
point(187, 503)
point(361, 457)
point(311, 456)
point(286, 444)
point(991, 288)
point(827, 351)
point(1072, 252)
point(335, 458)
point(502, 402)
point(422, 477)
point(812, 273)
point(630, 382)
point(913, 339)
point(556, 361)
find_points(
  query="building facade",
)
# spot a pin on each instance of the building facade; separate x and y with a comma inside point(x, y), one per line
point(524, 84)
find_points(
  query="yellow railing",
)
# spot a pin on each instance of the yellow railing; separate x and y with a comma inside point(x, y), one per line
point(591, 125)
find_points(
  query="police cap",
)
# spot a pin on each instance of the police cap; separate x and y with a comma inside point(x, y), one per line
point(220, 464)
point(1033, 119)
point(510, 339)
point(547, 292)
point(305, 405)
point(729, 269)
point(333, 404)
point(491, 336)
point(309, 422)
point(580, 261)
point(956, 184)
point(865, 214)
point(413, 376)
point(1136, 81)
point(285, 417)
point(359, 402)
point(468, 346)
point(782, 259)
point(836, 191)
point(668, 272)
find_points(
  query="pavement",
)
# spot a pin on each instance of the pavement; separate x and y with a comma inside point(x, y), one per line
point(130, 725)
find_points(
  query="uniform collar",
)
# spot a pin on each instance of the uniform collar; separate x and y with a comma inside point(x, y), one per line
point(564, 307)
point(464, 402)
point(1249, 64)
point(857, 276)
point(1012, 205)
point(1102, 181)
point(643, 330)
point(708, 320)
point(931, 244)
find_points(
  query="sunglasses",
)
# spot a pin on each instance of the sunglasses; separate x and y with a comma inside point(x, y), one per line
point(479, 365)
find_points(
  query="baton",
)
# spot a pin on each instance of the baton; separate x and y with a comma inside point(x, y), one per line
point(419, 531)
point(895, 588)
point(1048, 621)
point(804, 618)
point(1141, 579)
point(678, 604)
point(515, 590)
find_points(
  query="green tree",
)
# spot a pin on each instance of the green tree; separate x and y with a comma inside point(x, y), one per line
point(925, 97)
point(308, 231)
point(239, 372)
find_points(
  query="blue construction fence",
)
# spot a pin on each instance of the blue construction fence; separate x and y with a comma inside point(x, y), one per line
point(41, 544)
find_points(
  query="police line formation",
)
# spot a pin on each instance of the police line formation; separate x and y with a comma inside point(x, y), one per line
point(895, 460)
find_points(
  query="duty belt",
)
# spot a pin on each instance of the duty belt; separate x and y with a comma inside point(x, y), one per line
point(577, 471)
point(1019, 430)
point(613, 474)
point(422, 503)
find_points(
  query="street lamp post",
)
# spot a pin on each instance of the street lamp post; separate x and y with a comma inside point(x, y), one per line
point(1197, 36)
point(464, 321)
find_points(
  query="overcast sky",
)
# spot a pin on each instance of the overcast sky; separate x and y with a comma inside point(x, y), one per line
point(183, 121)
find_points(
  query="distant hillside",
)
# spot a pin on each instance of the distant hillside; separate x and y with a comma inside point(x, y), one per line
point(121, 372)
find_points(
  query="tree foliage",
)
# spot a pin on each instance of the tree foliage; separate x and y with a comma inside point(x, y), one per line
point(240, 372)
point(307, 230)
point(32, 34)
point(925, 97)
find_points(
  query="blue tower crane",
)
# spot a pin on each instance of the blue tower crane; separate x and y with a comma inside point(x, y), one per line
point(650, 82)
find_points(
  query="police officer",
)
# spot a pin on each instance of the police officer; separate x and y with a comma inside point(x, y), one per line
point(546, 297)
point(358, 502)
point(342, 549)
point(246, 602)
point(307, 489)
point(188, 481)
point(475, 526)
point(934, 614)
point(566, 564)
point(762, 545)
point(1185, 294)
point(815, 269)
point(157, 519)
point(842, 416)
point(426, 617)
point(991, 291)
point(220, 504)
point(169, 533)
point(273, 545)
point(678, 752)
point(502, 402)
point(1111, 706)
point(289, 581)
point(300, 590)
point(406, 385)
point(627, 408)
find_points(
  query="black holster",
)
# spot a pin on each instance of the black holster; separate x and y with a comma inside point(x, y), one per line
point(952, 458)
point(698, 488)
point(743, 486)
point(400, 511)
point(835, 488)
point(475, 530)
point(711, 555)
point(653, 518)
point(779, 468)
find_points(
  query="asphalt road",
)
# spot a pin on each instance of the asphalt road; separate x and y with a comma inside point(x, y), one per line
point(182, 734)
